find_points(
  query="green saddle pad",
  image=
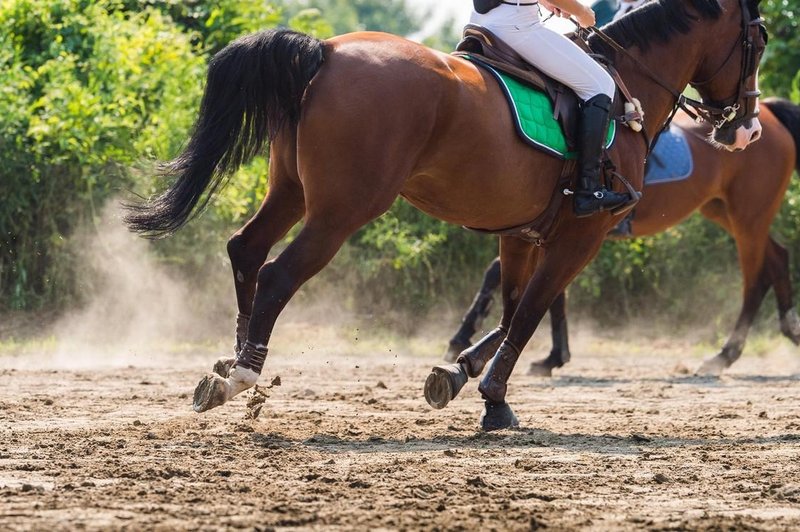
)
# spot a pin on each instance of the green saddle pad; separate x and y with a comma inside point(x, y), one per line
point(532, 112)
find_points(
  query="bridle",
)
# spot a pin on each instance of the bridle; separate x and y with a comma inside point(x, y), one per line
point(724, 114)
point(751, 30)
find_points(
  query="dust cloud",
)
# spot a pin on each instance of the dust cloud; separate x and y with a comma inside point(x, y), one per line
point(136, 313)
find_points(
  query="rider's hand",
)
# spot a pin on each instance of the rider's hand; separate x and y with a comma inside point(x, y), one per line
point(557, 11)
point(586, 17)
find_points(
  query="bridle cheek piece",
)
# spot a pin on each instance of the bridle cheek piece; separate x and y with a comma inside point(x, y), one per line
point(728, 115)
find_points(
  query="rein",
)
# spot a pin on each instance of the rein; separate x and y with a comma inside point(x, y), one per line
point(717, 116)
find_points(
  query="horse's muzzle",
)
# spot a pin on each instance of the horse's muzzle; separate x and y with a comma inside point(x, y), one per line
point(738, 138)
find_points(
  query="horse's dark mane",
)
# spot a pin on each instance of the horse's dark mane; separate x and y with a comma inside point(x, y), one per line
point(656, 21)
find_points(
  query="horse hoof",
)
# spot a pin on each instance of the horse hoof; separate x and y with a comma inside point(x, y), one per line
point(454, 349)
point(443, 384)
point(497, 416)
point(713, 367)
point(222, 367)
point(790, 327)
point(540, 369)
point(211, 392)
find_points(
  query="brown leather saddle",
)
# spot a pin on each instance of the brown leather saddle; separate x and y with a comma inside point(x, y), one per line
point(482, 46)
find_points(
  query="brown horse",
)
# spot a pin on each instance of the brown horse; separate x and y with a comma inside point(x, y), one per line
point(739, 191)
point(357, 120)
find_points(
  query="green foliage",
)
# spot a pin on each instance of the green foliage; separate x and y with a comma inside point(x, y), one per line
point(796, 88)
point(344, 16)
point(406, 258)
point(85, 93)
point(91, 91)
point(213, 23)
point(780, 65)
point(446, 38)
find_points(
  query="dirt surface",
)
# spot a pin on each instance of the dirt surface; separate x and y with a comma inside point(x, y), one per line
point(623, 438)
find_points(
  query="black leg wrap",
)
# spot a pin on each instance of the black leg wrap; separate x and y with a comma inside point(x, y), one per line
point(252, 357)
point(475, 358)
point(242, 323)
point(493, 386)
point(497, 416)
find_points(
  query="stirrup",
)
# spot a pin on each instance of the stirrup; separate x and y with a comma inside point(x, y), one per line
point(595, 201)
point(627, 207)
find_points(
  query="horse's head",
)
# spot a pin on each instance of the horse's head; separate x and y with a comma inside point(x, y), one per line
point(727, 77)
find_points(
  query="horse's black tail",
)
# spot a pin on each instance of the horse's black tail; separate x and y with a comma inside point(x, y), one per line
point(255, 86)
point(788, 114)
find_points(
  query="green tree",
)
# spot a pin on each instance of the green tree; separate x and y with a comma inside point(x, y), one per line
point(781, 63)
point(445, 38)
point(85, 91)
point(392, 16)
point(212, 24)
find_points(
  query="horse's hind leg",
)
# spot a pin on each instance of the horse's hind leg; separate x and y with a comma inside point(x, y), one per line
point(249, 246)
point(476, 314)
point(326, 228)
point(752, 242)
point(777, 262)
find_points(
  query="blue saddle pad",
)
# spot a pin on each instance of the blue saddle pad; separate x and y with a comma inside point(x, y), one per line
point(671, 158)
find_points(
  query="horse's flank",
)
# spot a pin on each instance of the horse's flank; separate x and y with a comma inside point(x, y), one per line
point(471, 139)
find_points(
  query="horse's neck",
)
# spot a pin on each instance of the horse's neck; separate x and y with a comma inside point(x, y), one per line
point(674, 69)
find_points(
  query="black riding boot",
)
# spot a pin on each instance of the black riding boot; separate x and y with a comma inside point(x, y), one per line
point(590, 196)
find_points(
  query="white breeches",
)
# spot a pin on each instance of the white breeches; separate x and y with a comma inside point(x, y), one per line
point(551, 52)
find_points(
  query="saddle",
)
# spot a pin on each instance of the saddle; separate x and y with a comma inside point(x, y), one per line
point(482, 46)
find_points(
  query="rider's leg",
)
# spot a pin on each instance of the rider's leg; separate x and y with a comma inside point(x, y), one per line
point(561, 59)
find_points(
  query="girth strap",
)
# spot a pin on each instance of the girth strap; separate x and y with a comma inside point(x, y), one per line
point(537, 231)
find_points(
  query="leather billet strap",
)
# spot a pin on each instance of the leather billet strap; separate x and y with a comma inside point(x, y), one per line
point(537, 231)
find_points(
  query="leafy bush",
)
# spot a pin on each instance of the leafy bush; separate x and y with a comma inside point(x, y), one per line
point(780, 65)
point(86, 91)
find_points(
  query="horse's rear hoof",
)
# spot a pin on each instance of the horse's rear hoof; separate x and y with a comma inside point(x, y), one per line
point(497, 416)
point(222, 367)
point(454, 349)
point(713, 367)
point(211, 392)
point(444, 383)
point(540, 369)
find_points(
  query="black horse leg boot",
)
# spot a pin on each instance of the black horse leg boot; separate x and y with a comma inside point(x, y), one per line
point(590, 196)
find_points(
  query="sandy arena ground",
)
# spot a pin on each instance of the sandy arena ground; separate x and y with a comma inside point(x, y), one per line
point(623, 438)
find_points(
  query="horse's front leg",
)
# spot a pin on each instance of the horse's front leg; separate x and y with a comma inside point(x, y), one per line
point(517, 258)
point(477, 312)
point(562, 260)
point(559, 353)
